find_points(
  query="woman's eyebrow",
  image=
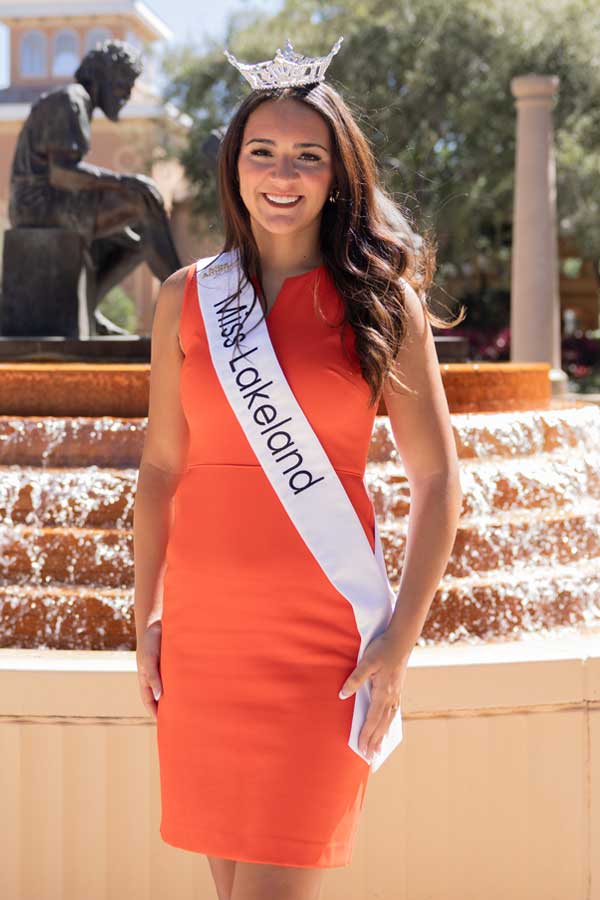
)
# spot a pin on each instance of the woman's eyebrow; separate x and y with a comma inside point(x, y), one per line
point(268, 141)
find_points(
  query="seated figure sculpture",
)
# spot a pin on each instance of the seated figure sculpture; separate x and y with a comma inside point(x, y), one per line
point(121, 217)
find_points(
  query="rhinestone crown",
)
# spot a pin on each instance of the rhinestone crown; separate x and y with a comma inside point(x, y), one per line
point(286, 69)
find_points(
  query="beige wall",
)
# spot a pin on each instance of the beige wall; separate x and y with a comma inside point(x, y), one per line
point(494, 792)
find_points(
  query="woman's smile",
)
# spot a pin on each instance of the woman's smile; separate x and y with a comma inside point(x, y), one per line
point(283, 201)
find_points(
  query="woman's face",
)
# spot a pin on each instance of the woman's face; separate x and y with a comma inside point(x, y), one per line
point(285, 154)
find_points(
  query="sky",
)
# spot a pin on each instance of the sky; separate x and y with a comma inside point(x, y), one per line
point(211, 17)
point(188, 21)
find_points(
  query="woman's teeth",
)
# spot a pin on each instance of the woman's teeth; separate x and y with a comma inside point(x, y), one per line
point(283, 199)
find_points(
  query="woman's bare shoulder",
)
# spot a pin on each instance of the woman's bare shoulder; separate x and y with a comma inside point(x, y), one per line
point(170, 297)
point(170, 301)
point(174, 285)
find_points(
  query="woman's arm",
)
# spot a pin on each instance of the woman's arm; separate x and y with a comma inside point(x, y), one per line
point(424, 437)
point(161, 465)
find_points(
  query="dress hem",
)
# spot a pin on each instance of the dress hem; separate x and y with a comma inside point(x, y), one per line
point(184, 844)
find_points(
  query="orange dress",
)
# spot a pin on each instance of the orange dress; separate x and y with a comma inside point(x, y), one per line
point(256, 641)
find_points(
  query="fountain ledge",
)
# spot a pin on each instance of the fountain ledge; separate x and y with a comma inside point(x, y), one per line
point(507, 675)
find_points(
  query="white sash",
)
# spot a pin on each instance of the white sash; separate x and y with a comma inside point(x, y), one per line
point(296, 465)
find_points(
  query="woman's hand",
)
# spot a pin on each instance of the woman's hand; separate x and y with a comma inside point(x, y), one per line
point(380, 663)
point(148, 666)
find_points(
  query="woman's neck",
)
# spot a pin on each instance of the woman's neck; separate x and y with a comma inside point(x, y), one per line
point(288, 254)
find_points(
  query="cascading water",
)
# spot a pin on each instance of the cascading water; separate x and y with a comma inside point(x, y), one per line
point(526, 557)
point(527, 552)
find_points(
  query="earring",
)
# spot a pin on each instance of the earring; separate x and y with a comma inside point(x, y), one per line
point(332, 198)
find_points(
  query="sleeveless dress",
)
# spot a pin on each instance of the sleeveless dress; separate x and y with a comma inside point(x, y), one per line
point(256, 641)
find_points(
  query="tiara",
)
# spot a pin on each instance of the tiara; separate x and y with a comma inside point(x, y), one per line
point(286, 69)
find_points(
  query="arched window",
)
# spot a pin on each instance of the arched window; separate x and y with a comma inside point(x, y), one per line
point(34, 54)
point(95, 36)
point(65, 58)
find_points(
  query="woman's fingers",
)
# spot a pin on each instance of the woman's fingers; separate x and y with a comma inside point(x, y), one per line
point(377, 722)
point(148, 699)
point(372, 720)
point(356, 678)
point(148, 668)
point(379, 665)
point(373, 743)
point(150, 685)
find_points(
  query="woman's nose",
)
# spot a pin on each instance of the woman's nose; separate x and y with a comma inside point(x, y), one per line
point(284, 167)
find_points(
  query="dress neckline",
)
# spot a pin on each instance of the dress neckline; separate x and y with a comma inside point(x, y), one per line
point(293, 278)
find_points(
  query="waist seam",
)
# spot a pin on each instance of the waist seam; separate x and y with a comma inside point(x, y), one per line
point(257, 466)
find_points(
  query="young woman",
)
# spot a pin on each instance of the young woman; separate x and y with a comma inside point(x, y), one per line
point(248, 576)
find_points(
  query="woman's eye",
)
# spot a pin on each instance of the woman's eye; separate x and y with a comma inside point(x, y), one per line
point(313, 156)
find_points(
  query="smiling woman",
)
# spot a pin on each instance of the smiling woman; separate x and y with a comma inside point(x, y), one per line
point(285, 179)
point(302, 144)
point(275, 594)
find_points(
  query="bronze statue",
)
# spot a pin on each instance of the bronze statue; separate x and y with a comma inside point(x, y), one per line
point(121, 217)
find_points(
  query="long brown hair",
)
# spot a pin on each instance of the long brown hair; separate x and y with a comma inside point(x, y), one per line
point(366, 241)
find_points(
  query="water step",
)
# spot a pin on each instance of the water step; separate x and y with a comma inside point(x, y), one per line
point(98, 497)
point(98, 556)
point(85, 497)
point(117, 441)
point(63, 616)
point(77, 441)
point(546, 481)
point(507, 539)
point(104, 556)
point(523, 600)
point(507, 434)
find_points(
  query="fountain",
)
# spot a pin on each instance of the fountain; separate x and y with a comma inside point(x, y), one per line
point(526, 557)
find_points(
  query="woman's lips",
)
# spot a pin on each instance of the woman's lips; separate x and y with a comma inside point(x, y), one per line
point(283, 205)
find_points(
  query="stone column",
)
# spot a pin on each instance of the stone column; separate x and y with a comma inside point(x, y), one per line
point(535, 302)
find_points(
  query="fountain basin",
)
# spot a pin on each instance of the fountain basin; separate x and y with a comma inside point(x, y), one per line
point(99, 389)
point(526, 556)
